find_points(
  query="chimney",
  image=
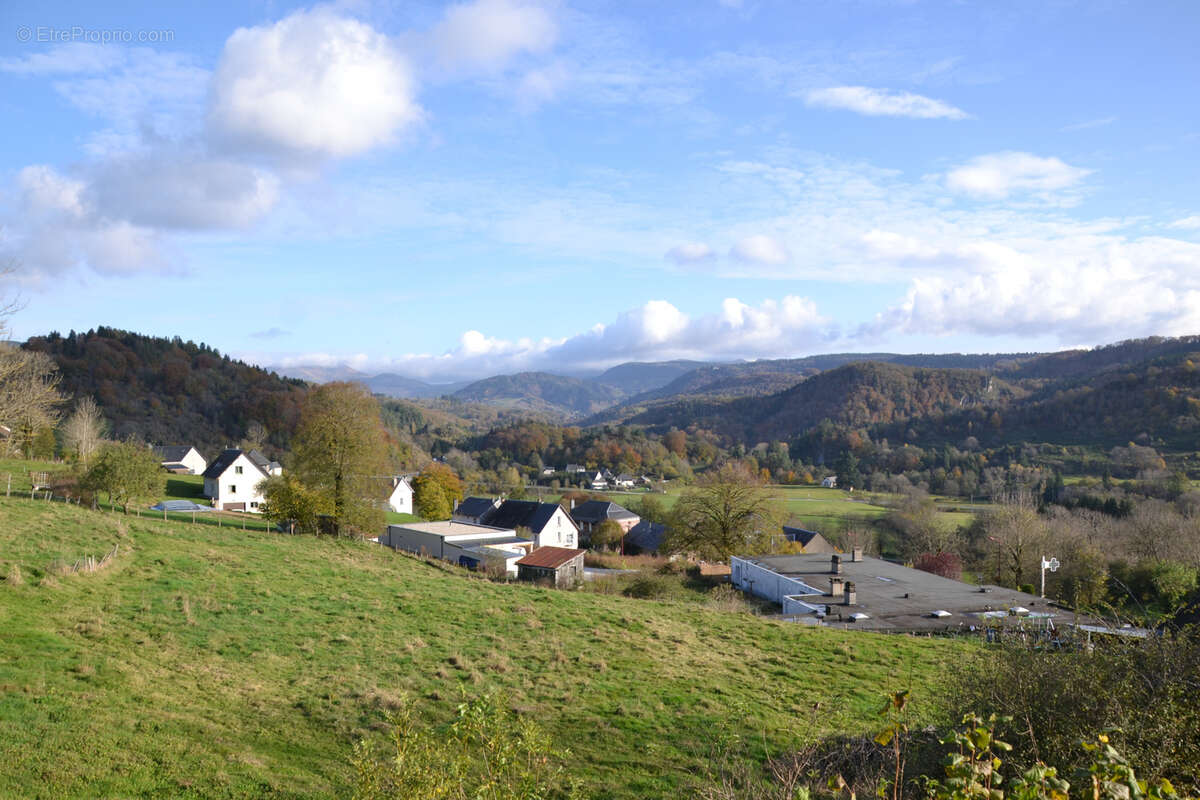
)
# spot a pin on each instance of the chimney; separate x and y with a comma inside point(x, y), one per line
point(456, 502)
point(851, 595)
point(835, 565)
point(836, 587)
point(572, 503)
point(856, 554)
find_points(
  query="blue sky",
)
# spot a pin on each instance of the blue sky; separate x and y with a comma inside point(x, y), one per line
point(453, 190)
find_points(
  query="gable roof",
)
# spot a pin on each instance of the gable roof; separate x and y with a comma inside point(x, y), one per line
point(600, 510)
point(549, 557)
point(646, 536)
point(173, 453)
point(226, 459)
point(474, 507)
point(523, 514)
point(811, 541)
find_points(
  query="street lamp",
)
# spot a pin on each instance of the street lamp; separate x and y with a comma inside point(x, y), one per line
point(1051, 565)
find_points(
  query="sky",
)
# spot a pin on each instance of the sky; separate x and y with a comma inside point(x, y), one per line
point(449, 191)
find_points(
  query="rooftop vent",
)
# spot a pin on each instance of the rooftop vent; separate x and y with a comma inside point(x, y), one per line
point(835, 564)
point(939, 613)
point(848, 592)
point(836, 587)
point(856, 554)
point(859, 616)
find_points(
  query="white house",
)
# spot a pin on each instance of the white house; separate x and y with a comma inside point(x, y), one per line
point(231, 482)
point(830, 482)
point(548, 523)
point(598, 481)
point(400, 499)
point(180, 458)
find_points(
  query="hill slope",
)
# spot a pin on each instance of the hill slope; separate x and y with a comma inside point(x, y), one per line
point(541, 392)
point(207, 663)
point(170, 391)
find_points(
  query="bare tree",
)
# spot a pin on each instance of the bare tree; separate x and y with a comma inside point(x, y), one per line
point(29, 396)
point(84, 430)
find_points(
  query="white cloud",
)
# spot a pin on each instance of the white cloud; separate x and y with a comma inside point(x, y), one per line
point(1187, 223)
point(759, 249)
point(690, 253)
point(1091, 123)
point(998, 175)
point(882, 103)
point(485, 35)
point(656, 330)
point(313, 84)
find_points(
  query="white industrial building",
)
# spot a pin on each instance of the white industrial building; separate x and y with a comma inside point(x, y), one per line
point(464, 543)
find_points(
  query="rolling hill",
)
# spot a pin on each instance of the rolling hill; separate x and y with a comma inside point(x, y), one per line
point(220, 663)
point(541, 392)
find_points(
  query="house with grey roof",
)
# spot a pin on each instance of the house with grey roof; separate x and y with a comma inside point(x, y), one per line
point(231, 481)
point(646, 537)
point(181, 459)
point(474, 509)
point(811, 541)
point(547, 523)
point(590, 514)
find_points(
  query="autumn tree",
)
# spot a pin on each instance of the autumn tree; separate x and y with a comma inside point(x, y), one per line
point(607, 535)
point(435, 491)
point(728, 512)
point(83, 431)
point(127, 472)
point(293, 505)
point(340, 455)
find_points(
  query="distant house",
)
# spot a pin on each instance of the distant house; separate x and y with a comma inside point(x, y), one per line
point(548, 523)
point(645, 538)
point(400, 497)
point(624, 481)
point(463, 543)
point(830, 482)
point(590, 514)
point(811, 541)
point(180, 458)
point(560, 566)
point(599, 482)
point(231, 482)
point(574, 468)
point(474, 509)
point(547, 472)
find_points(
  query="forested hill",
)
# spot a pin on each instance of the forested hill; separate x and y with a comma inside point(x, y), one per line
point(170, 391)
point(541, 392)
point(856, 395)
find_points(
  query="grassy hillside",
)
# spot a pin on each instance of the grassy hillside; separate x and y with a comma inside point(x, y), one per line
point(217, 663)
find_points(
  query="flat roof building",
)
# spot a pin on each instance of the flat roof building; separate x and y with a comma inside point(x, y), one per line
point(858, 591)
point(464, 543)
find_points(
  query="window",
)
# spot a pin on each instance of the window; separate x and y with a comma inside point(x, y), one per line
point(237, 470)
point(233, 488)
point(253, 504)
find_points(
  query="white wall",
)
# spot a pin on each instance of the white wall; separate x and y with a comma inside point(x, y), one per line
point(764, 583)
point(401, 500)
point(232, 486)
point(559, 531)
point(194, 461)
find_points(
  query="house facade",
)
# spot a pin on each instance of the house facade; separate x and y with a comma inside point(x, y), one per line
point(400, 498)
point(830, 482)
point(231, 482)
point(181, 458)
point(548, 524)
point(590, 514)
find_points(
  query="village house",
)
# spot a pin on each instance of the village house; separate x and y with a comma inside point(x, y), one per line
point(400, 496)
point(547, 523)
point(811, 541)
point(829, 482)
point(624, 481)
point(474, 509)
point(590, 514)
point(858, 591)
point(645, 538)
point(231, 482)
point(181, 459)
point(464, 543)
point(559, 566)
point(599, 483)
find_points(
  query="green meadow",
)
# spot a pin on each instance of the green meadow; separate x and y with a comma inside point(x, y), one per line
point(207, 662)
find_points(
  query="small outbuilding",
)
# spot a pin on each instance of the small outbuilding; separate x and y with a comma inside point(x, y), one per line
point(561, 566)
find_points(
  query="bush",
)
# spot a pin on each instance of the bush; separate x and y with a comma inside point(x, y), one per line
point(650, 587)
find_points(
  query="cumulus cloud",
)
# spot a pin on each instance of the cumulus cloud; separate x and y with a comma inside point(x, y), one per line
point(882, 103)
point(997, 175)
point(313, 84)
point(271, 333)
point(485, 35)
point(1187, 223)
point(690, 253)
point(656, 330)
point(759, 249)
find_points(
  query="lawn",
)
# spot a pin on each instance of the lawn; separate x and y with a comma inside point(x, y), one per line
point(206, 662)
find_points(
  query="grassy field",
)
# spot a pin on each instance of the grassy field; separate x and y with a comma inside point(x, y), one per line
point(207, 662)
